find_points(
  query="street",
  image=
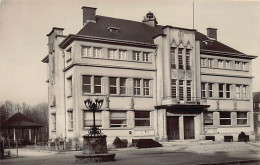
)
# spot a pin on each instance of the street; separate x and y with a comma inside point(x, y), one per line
point(181, 154)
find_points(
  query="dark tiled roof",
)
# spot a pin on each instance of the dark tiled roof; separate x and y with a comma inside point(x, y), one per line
point(18, 120)
point(128, 30)
point(139, 32)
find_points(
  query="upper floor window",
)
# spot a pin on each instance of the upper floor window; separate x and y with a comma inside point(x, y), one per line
point(228, 64)
point(122, 86)
point(228, 90)
point(221, 90)
point(142, 118)
point(180, 58)
point(203, 62)
point(117, 85)
point(210, 89)
point(88, 86)
point(245, 66)
point(136, 56)
point(146, 56)
point(122, 54)
point(188, 82)
point(53, 121)
point(97, 52)
point(237, 65)
point(70, 114)
point(203, 90)
point(210, 62)
point(137, 86)
point(173, 62)
point(112, 54)
point(238, 95)
point(174, 86)
point(69, 91)
point(85, 51)
point(146, 87)
point(112, 84)
point(220, 64)
point(68, 54)
point(181, 89)
point(188, 65)
point(245, 93)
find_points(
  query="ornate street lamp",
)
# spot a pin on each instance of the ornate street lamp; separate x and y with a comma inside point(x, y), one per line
point(94, 105)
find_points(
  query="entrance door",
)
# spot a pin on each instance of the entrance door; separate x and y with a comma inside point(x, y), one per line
point(189, 127)
point(173, 127)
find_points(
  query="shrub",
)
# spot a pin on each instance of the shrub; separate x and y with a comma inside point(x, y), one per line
point(118, 143)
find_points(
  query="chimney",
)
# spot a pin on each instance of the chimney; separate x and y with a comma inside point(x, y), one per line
point(212, 33)
point(150, 19)
point(89, 14)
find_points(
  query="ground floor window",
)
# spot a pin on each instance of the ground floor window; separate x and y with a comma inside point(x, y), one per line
point(142, 118)
point(70, 114)
point(208, 118)
point(88, 119)
point(241, 118)
point(118, 119)
point(225, 118)
point(53, 116)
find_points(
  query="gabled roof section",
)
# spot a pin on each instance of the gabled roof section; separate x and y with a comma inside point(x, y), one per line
point(129, 30)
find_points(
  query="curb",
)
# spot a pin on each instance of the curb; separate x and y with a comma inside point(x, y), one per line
point(232, 162)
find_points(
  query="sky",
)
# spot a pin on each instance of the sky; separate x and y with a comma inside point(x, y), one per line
point(25, 23)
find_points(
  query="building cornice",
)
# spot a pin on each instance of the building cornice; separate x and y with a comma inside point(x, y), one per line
point(104, 66)
point(226, 54)
point(72, 37)
point(226, 75)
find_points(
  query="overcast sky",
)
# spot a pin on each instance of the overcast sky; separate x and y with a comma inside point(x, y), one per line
point(25, 23)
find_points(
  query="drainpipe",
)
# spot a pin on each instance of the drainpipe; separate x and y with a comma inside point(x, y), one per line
point(156, 100)
point(65, 127)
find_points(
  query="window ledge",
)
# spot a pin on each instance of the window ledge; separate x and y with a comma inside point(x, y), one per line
point(233, 126)
point(70, 129)
point(53, 130)
point(224, 69)
point(69, 96)
point(148, 62)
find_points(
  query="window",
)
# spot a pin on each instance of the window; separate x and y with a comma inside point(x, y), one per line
point(203, 90)
point(70, 114)
point(86, 84)
point(181, 87)
point(221, 90)
point(228, 64)
point(97, 52)
point(118, 119)
point(112, 85)
point(180, 58)
point(237, 65)
point(220, 64)
point(188, 90)
point(210, 62)
point(188, 59)
point(54, 121)
point(112, 54)
point(69, 81)
point(225, 118)
point(173, 62)
point(210, 90)
point(146, 56)
point(122, 54)
point(137, 86)
point(245, 66)
point(122, 85)
point(208, 118)
point(203, 62)
point(68, 54)
point(241, 118)
point(142, 118)
point(85, 51)
point(245, 92)
point(88, 119)
point(174, 84)
point(97, 84)
point(146, 87)
point(228, 93)
point(136, 56)
point(238, 96)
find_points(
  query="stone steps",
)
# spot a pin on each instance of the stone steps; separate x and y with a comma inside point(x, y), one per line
point(186, 142)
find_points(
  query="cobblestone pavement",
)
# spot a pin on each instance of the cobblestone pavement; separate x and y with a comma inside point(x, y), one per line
point(178, 154)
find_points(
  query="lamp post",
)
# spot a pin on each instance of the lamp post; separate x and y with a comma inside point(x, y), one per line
point(94, 105)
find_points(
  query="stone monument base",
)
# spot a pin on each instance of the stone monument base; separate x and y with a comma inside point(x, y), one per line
point(89, 158)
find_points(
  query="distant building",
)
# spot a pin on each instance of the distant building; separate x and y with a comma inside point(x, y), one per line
point(159, 82)
point(256, 111)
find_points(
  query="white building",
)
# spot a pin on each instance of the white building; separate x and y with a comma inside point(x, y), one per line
point(159, 82)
